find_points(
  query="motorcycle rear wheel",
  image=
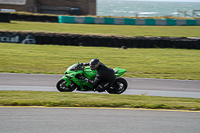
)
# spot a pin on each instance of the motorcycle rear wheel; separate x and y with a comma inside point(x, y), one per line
point(119, 86)
point(61, 86)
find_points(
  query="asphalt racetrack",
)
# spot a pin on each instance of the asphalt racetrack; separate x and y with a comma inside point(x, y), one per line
point(136, 86)
point(93, 120)
point(99, 120)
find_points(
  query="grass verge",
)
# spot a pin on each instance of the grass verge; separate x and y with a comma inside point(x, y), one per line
point(58, 99)
point(143, 63)
point(128, 30)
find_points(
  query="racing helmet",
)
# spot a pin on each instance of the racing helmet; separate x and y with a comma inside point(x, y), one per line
point(94, 64)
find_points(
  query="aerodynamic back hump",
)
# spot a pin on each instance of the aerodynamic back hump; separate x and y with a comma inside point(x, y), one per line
point(119, 71)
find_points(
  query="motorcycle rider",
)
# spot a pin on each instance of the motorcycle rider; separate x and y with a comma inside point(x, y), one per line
point(104, 78)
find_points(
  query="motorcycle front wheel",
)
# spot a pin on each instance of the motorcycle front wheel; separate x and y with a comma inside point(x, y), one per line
point(118, 87)
point(61, 86)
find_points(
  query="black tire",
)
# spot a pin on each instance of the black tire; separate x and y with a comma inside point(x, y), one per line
point(61, 86)
point(118, 87)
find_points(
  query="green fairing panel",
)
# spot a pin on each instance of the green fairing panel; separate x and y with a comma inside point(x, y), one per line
point(120, 71)
point(89, 73)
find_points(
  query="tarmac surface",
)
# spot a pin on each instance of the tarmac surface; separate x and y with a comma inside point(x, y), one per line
point(136, 86)
point(93, 120)
point(99, 120)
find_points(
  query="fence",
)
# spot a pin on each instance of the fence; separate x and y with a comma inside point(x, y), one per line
point(127, 21)
point(6, 17)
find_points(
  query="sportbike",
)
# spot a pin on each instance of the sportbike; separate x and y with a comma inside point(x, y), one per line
point(72, 80)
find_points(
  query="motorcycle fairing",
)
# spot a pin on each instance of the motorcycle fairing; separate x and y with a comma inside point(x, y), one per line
point(75, 69)
point(119, 72)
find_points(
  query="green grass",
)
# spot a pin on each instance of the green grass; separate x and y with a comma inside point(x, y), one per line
point(57, 99)
point(128, 30)
point(143, 63)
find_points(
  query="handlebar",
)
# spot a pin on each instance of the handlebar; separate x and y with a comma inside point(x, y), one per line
point(79, 66)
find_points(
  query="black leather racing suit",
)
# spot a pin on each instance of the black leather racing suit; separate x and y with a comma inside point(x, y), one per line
point(104, 78)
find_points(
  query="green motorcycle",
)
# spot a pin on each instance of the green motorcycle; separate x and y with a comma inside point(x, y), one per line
point(72, 80)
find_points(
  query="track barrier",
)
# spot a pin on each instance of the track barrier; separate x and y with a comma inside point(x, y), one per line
point(128, 21)
point(5, 17)
point(67, 39)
